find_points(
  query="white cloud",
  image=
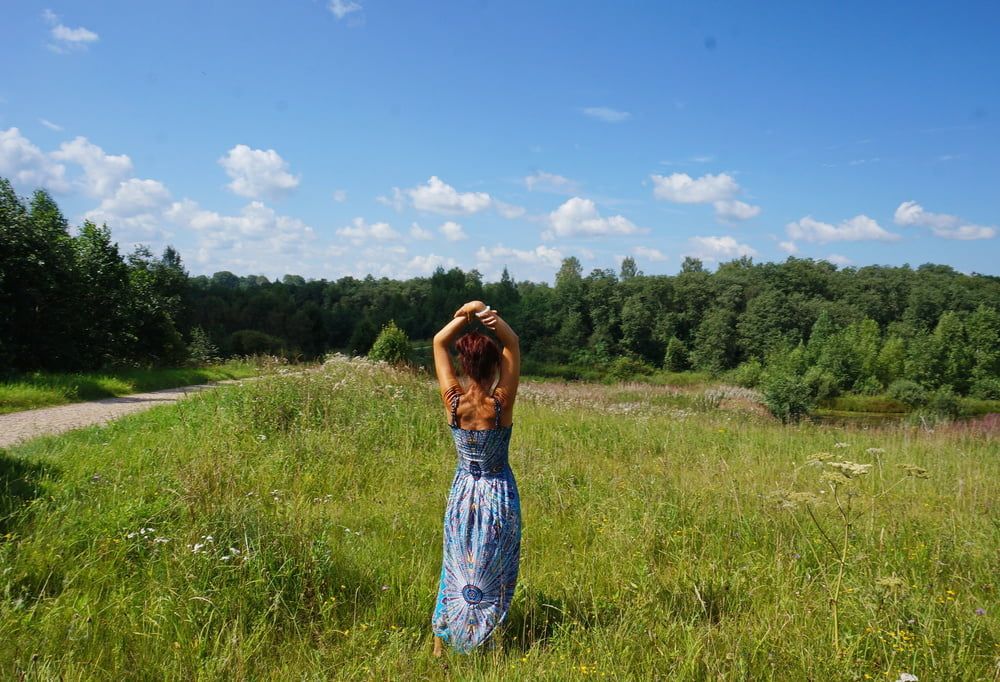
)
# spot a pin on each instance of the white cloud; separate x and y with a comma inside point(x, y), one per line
point(717, 248)
point(717, 190)
point(788, 247)
point(910, 213)
point(439, 197)
point(452, 231)
point(650, 253)
point(733, 209)
point(420, 233)
point(340, 195)
point(257, 173)
point(102, 172)
point(360, 231)
point(341, 8)
point(509, 211)
point(425, 265)
point(258, 232)
point(858, 228)
point(607, 114)
point(134, 196)
point(50, 125)
point(541, 181)
point(397, 201)
point(540, 255)
point(579, 216)
point(66, 38)
point(837, 259)
point(28, 166)
point(681, 188)
point(134, 210)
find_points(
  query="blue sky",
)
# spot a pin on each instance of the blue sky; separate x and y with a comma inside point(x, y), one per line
point(331, 138)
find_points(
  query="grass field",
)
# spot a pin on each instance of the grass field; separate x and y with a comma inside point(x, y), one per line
point(44, 389)
point(290, 528)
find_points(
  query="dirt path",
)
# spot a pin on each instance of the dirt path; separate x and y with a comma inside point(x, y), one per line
point(21, 426)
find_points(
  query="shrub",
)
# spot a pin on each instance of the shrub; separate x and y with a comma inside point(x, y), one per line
point(787, 396)
point(910, 393)
point(822, 384)
point(201, 350)
point(392, 345)
point(676, 357)
point(625, 367)
point(944, 402)
point(985, 388)
point(748, 374)
point(253, 342)
point(868, 386)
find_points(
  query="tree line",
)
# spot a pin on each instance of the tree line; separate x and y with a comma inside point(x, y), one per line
point(75, 302)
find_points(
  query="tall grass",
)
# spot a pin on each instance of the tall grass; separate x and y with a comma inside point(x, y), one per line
point(43, 389)
point(290, 528)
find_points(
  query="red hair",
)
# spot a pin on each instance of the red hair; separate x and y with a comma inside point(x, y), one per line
point(480, 356)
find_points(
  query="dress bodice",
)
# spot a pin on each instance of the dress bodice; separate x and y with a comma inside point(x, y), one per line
point(482, 452)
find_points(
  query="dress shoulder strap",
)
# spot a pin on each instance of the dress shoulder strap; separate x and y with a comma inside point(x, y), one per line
point(496, 403)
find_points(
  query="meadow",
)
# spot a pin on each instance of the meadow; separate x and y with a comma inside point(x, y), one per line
point(290, 528)
point(30, 390)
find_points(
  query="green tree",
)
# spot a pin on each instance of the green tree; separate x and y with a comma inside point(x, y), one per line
point(103, 296)
point(715, 341)
point(392, 345)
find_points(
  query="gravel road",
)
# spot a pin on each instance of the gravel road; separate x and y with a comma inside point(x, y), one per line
point(20, 426)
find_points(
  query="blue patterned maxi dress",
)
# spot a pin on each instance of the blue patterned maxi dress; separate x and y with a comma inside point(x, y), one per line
point(482, 537)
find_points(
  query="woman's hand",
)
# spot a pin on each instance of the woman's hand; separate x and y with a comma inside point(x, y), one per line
point(472, 307)
point(489, 318)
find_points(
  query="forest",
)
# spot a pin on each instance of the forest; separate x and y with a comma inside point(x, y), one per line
point(75, 302)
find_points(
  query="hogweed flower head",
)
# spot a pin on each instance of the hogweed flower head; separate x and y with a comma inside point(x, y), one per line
point(914, 471)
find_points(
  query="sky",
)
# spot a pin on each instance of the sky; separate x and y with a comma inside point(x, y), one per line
point(327, 138)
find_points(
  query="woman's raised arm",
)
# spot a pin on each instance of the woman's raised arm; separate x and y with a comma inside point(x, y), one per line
point(510, 360)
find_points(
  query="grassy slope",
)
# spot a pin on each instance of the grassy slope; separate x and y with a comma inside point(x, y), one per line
point(44, 389)
point(652, 544)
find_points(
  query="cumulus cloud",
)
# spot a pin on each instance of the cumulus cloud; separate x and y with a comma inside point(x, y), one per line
point(340, 195)
point(360, 231)
point(733, 209)
point(580, 217)
point(341, 8)
point(717, 248)
point(134, 209)
point(649, 253)
point(257, 173)
point(437, 196)
point(50, 125)
point(837, 259)
point(397, 201)
point(540, 181)
point(858, 228)
point(28, 166)
point(718, 190)
point(425, 265)
point(607, 114)
point(67, 39)
point(788, 247)
point(540, 255)
point(452, 231)
point(258, 230)
point(420, 233)
point(509, 211)
point(102, 172)
point(910, 213)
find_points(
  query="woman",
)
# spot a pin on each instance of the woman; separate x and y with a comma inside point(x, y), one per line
point(482, 521)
